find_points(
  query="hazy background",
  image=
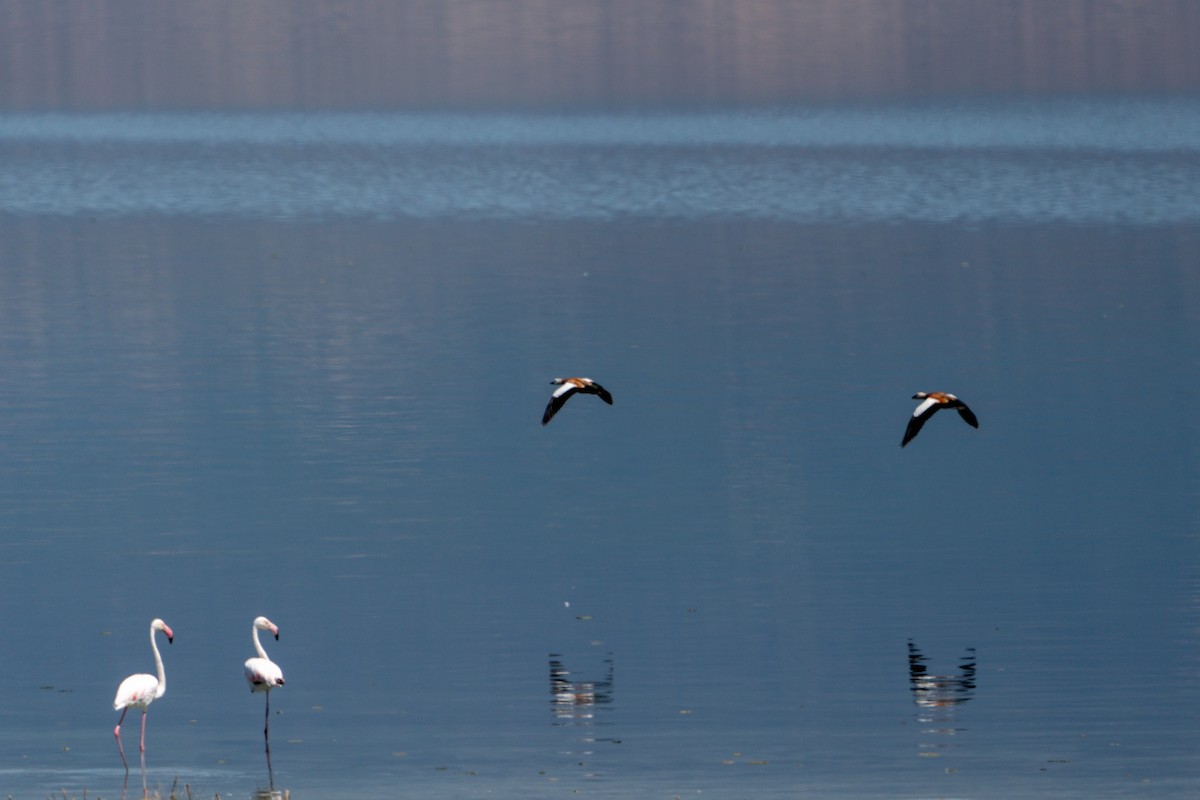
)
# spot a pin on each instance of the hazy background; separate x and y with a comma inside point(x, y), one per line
point(580, 54)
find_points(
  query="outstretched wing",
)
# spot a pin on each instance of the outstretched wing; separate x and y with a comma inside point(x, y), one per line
point(921, 413)
point(914, 427)
point(604, 394)
point(967, 415)
point(561, 395)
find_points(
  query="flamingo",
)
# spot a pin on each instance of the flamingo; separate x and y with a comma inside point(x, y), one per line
point(139, 691)
point(263, 675)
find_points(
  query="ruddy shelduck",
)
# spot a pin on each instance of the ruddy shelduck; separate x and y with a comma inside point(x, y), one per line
point(931, 403)
point(568, 387)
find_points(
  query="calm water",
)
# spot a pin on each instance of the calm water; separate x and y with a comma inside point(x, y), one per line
point(1068, 160)
point(294, 365)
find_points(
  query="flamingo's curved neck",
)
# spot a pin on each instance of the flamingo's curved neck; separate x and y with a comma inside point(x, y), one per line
point(258, 645)
point(162, 676)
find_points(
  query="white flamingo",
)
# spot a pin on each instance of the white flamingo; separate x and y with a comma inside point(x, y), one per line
point(139, 691)
point(263, 675)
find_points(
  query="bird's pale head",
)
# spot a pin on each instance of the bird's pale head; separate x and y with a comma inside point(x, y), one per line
point(159, 625)
point(264, 624)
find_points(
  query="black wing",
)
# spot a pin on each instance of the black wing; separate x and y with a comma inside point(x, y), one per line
point(604, 394)
point(556, 402)
point(914, 426)
point(966, 414)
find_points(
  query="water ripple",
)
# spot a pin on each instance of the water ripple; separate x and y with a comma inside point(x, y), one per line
point(1087, 162)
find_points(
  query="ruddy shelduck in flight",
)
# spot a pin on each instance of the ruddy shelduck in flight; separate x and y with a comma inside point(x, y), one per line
point(568, 387)
point(931, 403)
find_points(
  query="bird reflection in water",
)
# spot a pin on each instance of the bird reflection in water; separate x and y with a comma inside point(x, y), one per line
point(575, 699)
point(146, 793)
point(938, 697)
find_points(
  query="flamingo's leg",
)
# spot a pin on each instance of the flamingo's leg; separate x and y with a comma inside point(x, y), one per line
point(117, 733)
point(267, 739)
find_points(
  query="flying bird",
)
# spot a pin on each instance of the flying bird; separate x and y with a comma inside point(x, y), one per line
point(931, 403)
point(263, 675)
point(568, 387)
point(139, 691)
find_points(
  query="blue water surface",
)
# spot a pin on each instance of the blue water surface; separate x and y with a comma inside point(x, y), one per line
point(295, 365)
point(1064, 160)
